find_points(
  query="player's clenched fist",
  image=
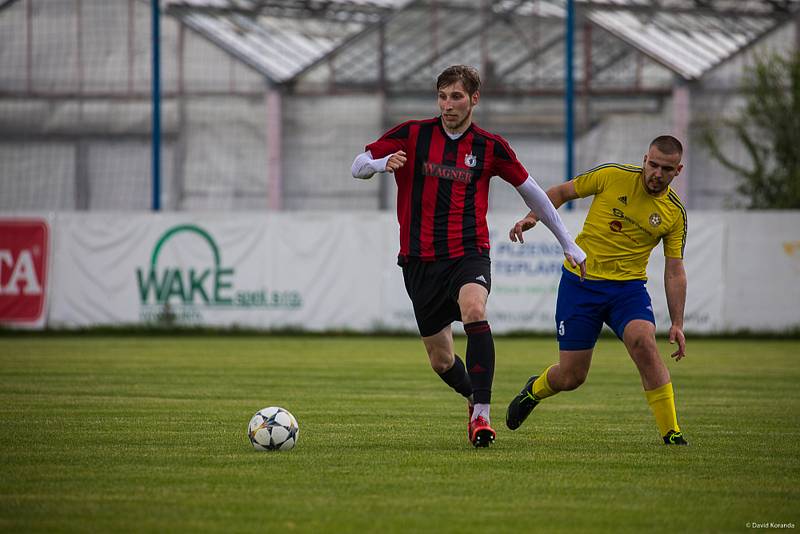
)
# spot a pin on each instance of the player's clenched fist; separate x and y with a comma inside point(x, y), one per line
point(396, 160)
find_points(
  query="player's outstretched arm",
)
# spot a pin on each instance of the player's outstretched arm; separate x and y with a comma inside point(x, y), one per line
point(675, 287)
point(364, 166)
point(543, 209)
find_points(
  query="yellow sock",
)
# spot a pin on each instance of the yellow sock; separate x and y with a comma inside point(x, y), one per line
point(541, 387)
point(662, 402)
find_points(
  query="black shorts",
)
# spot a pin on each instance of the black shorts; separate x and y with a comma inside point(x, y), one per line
point(434, 285)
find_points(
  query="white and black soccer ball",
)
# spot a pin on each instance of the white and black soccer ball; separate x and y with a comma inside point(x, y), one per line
point(273, 429)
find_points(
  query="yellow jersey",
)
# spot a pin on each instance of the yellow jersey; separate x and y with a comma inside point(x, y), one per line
point(625, 223)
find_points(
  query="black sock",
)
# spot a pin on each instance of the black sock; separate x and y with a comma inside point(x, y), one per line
point(480, 360)
point(457, 378)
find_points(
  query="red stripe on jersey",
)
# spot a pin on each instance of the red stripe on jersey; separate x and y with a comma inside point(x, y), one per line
point(455, 220)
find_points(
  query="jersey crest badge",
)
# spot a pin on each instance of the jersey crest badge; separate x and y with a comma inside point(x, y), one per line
point(655, 219)
point(470, 160)
point(624, 200)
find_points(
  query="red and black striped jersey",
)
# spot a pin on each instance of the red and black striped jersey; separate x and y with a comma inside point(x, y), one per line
point(443, 188)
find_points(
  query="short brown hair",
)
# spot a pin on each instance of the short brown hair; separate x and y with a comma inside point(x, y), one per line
point(467, 75)
point(667, 144)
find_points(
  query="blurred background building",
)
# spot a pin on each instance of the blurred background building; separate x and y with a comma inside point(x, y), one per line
point(265, 103)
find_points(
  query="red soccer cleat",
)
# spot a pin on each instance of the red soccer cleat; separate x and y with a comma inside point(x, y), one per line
point(480, 433)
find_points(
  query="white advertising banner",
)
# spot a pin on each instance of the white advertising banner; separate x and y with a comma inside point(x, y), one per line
point(333, 271)
point(275, 271)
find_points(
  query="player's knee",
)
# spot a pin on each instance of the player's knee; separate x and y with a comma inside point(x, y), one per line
point(473, 311)
point(639, 334)
point(643, 346)
point(441, 362)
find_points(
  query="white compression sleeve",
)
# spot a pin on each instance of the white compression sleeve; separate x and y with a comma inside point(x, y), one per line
point(538, 201)
point(364, 166)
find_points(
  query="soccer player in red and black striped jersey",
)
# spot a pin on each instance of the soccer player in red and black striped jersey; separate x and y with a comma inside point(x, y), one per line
point(442, 167)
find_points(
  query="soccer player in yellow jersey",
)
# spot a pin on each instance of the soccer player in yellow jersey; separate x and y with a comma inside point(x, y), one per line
point(633, 209)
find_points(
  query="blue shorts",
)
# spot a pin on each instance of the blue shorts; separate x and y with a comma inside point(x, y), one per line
point(583, 307)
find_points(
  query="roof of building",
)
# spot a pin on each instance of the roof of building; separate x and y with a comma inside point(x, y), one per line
point(518, 43)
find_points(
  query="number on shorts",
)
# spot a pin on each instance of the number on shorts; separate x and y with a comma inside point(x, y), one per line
point(561, 328)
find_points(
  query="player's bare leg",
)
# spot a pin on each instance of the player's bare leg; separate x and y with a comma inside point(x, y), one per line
point(639, 338)
point(570, 371)
point(568, 374)
point(440, 349)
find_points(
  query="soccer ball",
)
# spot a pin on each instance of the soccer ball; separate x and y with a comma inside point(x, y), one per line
point(273, 429)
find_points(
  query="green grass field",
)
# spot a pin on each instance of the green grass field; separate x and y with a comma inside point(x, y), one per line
point(148, 434)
